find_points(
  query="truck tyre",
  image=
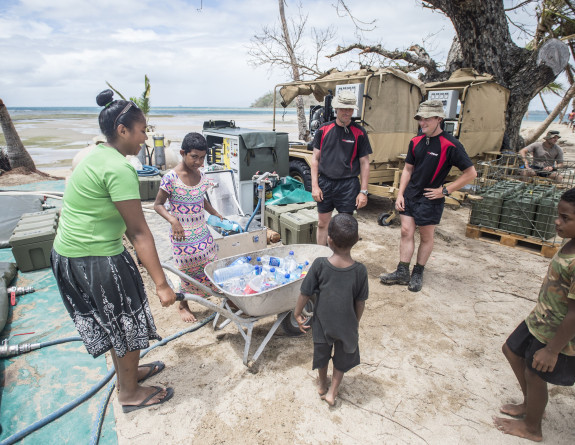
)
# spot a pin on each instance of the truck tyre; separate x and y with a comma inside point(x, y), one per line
point(300, 171)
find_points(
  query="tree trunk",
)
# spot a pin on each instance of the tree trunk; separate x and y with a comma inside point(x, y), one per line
point(17, 154)
point(301, 121)
point(544, 104)
point(538, 131)
point(486, 45)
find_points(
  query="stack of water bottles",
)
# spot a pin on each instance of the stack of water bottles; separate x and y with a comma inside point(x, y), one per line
point(241, 277)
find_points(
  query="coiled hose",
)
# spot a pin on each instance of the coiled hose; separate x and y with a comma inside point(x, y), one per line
point(148, 170)
point(92, 391)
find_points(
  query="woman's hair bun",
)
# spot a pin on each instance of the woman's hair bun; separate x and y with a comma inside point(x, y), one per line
point(105, 97)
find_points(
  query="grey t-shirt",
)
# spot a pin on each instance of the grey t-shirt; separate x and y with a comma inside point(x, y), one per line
point(543, 157)
point(336, 291)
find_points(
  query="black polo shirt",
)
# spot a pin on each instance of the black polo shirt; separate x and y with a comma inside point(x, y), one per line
point(432, 158)
point(340, 149)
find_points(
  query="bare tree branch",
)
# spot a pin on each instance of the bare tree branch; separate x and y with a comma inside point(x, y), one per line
point(360, 26)
point(520, 5)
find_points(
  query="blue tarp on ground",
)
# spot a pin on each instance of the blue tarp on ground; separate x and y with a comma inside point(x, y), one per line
point(40, 382)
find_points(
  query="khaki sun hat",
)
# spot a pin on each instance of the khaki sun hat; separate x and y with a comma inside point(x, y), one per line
point(430, 108)
point(345, 99)
point(551, 134)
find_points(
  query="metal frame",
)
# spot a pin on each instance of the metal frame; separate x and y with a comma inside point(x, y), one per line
point(241, 320)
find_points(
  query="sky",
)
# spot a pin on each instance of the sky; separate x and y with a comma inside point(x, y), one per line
point(195, 52)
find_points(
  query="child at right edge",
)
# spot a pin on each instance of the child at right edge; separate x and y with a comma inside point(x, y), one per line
point(341, 288)
point(541, 350)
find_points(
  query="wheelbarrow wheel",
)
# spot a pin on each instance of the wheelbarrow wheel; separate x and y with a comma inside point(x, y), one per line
point(382, 219)
point(289, 324)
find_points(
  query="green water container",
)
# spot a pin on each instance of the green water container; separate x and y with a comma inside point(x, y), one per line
point(299, 227)
point(518, 212)
point(544, 226)
point(273, 213)
point(31, 248)
point(486, 212)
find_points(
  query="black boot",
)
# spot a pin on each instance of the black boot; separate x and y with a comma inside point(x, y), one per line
point(399, 276)
point(416, 281)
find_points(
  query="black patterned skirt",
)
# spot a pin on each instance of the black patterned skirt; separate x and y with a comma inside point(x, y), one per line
point(106, 299)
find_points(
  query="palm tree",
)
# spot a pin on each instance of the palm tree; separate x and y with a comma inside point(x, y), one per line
point(143, 102)
point(17, 154)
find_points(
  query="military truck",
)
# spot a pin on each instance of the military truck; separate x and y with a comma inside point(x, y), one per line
point(387, 100)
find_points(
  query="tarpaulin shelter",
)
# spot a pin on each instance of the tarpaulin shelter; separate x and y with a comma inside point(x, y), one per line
point(390, 100)
point(481, 117)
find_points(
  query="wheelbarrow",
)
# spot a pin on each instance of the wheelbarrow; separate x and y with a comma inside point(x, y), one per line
point(279, 301)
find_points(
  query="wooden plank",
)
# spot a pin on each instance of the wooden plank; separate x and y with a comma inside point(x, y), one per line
point(534, 245)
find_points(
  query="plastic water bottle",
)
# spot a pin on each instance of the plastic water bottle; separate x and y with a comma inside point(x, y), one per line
point(240, 260)
point(284, 279)
point(302, 269)
point(258, 283)
point(234, 285)
point(225, 273)
point(290, 263)
point(267, 260)
point(224, 224)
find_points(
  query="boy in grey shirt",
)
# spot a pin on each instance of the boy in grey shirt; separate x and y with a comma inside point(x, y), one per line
point(340, 286)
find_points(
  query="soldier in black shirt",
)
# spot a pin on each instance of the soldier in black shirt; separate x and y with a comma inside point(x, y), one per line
point(421, 194)
point(341, 152)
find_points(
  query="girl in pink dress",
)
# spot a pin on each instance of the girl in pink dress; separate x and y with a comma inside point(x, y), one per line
point(185, 188)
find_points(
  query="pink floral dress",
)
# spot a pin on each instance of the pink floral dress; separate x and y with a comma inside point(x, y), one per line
point(198, 248)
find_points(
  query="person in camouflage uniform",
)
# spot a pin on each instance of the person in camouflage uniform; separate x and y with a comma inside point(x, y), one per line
point(542, 348)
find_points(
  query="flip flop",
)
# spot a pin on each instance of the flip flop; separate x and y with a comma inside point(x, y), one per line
point(168, 396)
point(154, 368)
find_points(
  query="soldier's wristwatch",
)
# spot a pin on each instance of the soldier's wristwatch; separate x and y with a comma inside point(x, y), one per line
point(364, 192)
point(445, 191)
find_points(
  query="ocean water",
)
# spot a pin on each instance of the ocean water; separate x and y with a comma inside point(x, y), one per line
point(22, 112)
point(18, 113)
point(54, 135)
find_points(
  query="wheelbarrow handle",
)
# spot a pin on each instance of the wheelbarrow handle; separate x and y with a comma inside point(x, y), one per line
point(189, 279)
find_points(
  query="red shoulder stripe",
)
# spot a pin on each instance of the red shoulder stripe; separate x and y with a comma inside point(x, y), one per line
point(416, 141)
point(445, 145)
point(357, 133)
point(325, 131)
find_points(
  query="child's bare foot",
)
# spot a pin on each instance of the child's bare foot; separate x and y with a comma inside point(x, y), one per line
point(322, 386)
point(517, 428)
point(185, 313)
point(329, 398)
point(513, 410)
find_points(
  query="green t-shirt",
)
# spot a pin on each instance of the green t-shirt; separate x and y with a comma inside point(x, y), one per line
point(557, 289)
point(90, 224)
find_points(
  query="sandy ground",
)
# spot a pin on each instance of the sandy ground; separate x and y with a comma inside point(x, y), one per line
point(432, 369)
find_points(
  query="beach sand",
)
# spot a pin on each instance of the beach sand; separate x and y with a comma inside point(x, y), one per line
point(432, 370)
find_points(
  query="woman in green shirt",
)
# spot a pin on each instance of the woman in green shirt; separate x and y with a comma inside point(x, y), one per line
point(100, 284)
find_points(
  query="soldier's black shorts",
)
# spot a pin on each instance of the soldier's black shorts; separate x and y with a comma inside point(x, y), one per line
point(523, 344)
point(339, 194)
point(424, 211)
point(342, 361)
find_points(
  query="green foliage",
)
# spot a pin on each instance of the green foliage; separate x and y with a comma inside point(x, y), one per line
point(143, 102)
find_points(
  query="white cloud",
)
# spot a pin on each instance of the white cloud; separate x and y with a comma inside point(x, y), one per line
point(61, 52)
point(130, 35)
